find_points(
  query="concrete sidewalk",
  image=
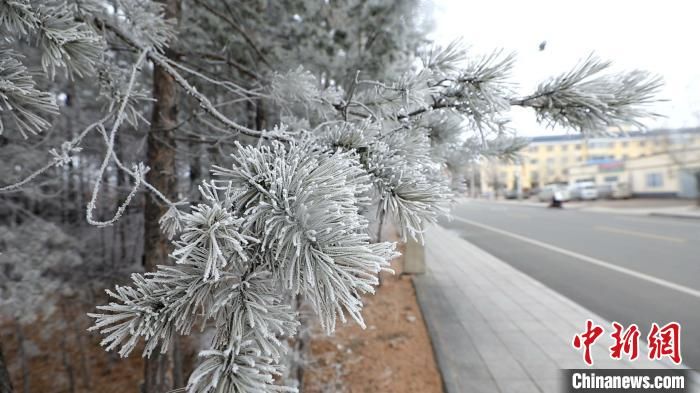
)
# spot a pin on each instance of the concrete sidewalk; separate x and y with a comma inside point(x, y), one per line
point(495, 329)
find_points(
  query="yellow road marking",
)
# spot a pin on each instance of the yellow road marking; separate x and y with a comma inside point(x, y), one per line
point(640, 234)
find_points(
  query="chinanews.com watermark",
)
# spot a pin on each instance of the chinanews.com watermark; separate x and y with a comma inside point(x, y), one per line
point(625, 380)
point(662, 342)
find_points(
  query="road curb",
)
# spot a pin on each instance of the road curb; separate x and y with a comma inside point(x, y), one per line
point(432, 334)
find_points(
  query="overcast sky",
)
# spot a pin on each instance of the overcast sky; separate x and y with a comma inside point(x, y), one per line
point(658, 36)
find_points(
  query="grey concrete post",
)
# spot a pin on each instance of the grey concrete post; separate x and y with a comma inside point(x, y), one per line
point(414, 258)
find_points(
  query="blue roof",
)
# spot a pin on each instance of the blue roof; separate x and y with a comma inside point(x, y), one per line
point(621, 135)
point(557, 138)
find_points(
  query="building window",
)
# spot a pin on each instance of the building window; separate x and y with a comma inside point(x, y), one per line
point(642, 143)
point(624, 144)
point(564, 160)
point(681, 139)
point(578, 146)
point(655, 180)
point(550, 160)
point(550, 148)
point(564, 147)
point(533, 149)
point(579, 158)
point(533, 161)
point(598, 144)
point(610, 179)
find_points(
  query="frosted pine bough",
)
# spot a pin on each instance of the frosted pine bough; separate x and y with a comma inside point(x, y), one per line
point(289, 215)
point(282, 219)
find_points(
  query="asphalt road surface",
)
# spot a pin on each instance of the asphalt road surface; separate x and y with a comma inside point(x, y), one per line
point(629, 269)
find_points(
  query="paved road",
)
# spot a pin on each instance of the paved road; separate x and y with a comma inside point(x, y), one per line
point(630, 269)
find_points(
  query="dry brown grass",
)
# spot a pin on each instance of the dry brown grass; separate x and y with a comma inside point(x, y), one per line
point(394, 353)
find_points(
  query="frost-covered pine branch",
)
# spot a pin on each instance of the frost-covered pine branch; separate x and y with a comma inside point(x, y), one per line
point(404, 176)
point(75, 47)
point(62, 42)
point(589, 100)
point(18, 16)
point(280, 220)
point(141, 170)
point(20, 99)
point(482, 88)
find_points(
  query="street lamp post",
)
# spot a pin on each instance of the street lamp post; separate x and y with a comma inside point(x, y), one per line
point(518, 179)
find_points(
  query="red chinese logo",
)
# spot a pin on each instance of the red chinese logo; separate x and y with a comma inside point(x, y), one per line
point(627, 343)
point(586, 339)
point(663, 341)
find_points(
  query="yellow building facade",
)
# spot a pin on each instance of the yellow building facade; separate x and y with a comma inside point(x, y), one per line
point(571, 158)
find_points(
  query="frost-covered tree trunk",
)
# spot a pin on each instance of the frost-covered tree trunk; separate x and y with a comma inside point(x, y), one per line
point(159, 373)
point(160, 157)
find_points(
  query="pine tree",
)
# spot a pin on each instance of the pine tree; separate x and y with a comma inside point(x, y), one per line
point(288, 214)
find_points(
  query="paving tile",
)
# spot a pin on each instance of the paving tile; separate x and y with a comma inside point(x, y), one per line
point(470, 385)
point(553, 385)
point(538, 371)
point(505, 368)
point(523, 348)
point(517, 386)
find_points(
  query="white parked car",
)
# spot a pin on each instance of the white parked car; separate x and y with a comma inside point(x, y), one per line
point(589, 192)
point(584, 191)
point(553, 191)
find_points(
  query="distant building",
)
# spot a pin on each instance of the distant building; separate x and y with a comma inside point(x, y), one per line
point(660, 162)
